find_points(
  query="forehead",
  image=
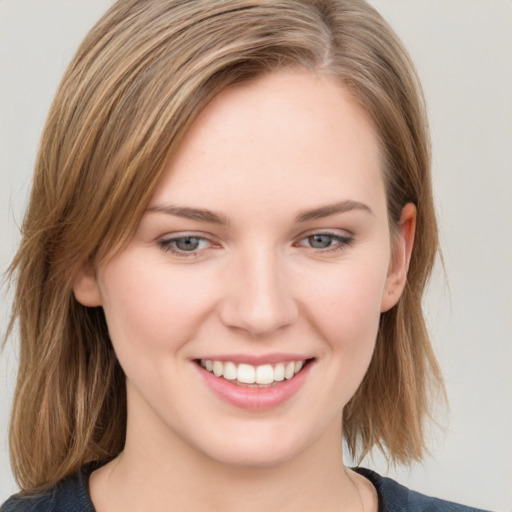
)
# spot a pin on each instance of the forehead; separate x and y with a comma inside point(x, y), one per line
point(289, 133)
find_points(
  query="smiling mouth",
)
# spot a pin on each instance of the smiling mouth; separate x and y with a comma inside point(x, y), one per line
point(247, 375)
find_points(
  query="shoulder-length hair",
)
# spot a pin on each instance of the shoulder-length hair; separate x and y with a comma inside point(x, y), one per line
point(137, 82)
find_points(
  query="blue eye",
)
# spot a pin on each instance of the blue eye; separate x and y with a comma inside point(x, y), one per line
point(188, 243)
point(320, 241)
point(326, 242)
point(184, 245)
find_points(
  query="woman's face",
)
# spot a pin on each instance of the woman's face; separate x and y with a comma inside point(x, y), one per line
point(265, 247)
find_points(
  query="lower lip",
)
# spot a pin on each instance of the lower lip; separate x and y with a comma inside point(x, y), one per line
point(255, 399)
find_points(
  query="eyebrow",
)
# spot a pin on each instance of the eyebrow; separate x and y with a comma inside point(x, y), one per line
point(331, 209)
point(209, 216)
point(199, 214)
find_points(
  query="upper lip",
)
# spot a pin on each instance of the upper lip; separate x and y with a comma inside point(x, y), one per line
point(257, 360)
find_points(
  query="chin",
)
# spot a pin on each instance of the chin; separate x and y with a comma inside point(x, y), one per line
point(254, 457)
point(256, 449)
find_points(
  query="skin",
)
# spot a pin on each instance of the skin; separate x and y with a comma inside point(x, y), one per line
point(258, 156)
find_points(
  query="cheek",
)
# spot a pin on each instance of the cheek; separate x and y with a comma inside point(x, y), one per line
point(344, 305)
point(152, 304)
point(344, 310)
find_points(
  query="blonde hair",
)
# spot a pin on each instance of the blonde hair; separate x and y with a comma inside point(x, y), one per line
point(136, 84)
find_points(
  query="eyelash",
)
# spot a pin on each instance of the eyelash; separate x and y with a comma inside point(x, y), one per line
point(166, 245)
point(340, 242)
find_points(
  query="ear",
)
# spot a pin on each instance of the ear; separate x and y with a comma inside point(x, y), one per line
point(400, 258)
point(85, 286)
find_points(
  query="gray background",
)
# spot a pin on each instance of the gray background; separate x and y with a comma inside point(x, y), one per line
point(463, 50)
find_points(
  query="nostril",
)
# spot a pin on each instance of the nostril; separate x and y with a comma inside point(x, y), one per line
point(259, 302)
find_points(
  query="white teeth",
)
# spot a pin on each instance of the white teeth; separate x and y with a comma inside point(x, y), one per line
point(246, 374)
point(218, 368)
point(279, 372)
point(230, 372)
point(249, 374)
point(265, 374)
point(289, 370)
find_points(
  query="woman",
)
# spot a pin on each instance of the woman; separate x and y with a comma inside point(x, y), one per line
point(222, 265)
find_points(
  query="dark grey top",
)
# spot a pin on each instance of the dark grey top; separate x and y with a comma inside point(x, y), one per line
point(72, 495)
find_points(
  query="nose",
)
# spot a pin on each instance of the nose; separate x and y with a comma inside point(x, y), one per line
point(259, 295)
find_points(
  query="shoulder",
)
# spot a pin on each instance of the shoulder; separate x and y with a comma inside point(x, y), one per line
point(394, 497)
point(68, 495)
